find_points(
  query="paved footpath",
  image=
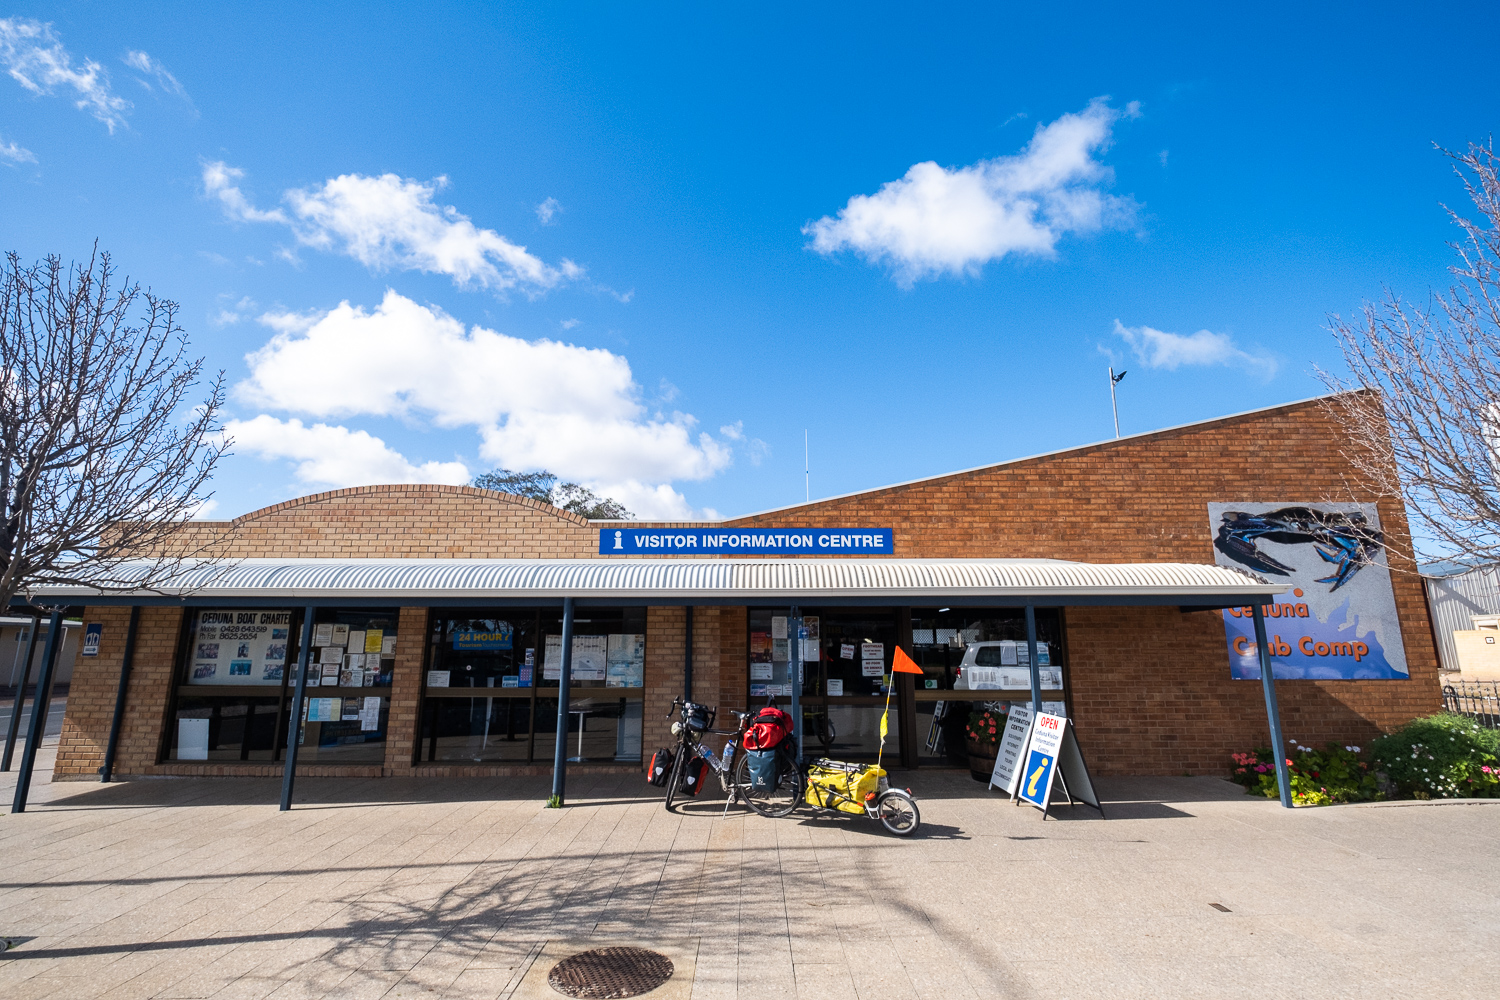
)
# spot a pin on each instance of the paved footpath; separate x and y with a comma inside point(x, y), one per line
point(452, 887)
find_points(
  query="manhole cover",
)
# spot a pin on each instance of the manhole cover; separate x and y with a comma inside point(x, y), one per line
point(610, 973)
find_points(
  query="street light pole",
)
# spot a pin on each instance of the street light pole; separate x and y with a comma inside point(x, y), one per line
point(1114, 380)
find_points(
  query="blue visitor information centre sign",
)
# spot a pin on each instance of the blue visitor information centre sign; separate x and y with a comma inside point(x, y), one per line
point(746, 542)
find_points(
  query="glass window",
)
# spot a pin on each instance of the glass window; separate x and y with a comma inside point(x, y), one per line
point(974, 658)
point(349, 674)
point(847, 654)
point(514, 656)
point(232, 695)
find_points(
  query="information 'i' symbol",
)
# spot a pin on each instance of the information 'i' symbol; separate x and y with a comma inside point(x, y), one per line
point(1035, 776)
point(619, 540)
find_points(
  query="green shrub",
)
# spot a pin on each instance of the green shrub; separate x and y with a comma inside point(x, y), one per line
point(1443, 756)
point(1319, 777)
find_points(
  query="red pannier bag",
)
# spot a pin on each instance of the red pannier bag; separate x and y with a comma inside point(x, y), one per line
point(768, 729)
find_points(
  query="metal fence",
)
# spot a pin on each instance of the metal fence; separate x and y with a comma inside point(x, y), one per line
point(1479, 700)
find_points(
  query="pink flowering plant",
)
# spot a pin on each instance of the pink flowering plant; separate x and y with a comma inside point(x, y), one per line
point(1318, 777)
point(1443, 756)
point(985, 727)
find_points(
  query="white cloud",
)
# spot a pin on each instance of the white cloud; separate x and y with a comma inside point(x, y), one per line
point(219, 183)
point(143, 63)
point(34, 57)
point(231, 312)
point(534, 404)
point(337, 456)
point(568, 324)
point(1157, 349)
point(937, 221)
point(12, 153)
point(547, 210)
point(390, 222)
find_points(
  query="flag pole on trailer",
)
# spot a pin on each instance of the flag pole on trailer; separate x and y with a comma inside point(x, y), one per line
point(900, 664)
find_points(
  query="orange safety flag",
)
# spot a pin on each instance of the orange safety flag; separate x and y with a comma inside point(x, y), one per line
point(903, 664)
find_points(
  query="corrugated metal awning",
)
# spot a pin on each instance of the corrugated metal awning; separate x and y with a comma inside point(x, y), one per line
point(722, 581)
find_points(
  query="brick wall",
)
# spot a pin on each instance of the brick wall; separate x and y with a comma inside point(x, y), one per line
point(1151, 688)
point(401, 522)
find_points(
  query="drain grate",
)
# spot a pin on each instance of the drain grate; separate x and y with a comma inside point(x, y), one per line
point(610, 973)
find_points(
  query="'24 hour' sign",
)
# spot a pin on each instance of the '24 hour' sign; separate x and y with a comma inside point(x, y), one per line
point(743, 542)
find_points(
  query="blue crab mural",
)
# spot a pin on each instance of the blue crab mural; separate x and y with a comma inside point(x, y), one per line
point(1347, 541)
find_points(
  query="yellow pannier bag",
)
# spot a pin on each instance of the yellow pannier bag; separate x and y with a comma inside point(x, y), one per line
point(834, 784)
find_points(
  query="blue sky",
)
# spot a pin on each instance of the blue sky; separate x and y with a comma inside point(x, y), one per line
point(921, 237)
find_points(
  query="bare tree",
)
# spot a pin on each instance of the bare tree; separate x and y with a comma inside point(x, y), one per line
point(1426, 430)
point(102, 453)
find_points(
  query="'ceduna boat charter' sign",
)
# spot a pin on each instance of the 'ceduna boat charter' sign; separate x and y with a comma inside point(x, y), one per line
point(746, 542)
point(1338, 621)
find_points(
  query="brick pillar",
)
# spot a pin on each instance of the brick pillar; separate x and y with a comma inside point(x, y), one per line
point(734, 658)
point(706, 657)
point(664, 656)
point(402, 729)
point(91, 697)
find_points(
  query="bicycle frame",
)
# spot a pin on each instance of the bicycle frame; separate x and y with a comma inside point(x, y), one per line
point(690, 743)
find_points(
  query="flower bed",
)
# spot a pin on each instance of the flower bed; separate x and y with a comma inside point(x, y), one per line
point(1442, 756)
point(1319, 777)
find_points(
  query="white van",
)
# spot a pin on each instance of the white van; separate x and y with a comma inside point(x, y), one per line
point(1005, 666)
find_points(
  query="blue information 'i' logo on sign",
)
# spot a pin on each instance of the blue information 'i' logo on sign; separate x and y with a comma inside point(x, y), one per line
point(1037, 778)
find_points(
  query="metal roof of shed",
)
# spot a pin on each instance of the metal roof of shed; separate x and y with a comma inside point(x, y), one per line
point(707, 581)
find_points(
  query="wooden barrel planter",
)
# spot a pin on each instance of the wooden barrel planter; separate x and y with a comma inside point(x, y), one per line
point(981, 759)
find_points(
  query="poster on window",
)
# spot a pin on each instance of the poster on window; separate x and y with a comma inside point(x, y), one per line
point(240, 647)
point(590, 654)
point(626, 665)
point(1337, 620)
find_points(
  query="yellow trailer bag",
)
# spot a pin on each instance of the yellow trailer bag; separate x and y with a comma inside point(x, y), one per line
point(834, 784)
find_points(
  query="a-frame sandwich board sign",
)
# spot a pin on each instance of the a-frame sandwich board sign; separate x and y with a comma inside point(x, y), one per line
point(1053, 752)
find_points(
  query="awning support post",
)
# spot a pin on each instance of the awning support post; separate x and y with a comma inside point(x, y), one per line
point(1036, 673)
point(294, 719)
point(15, 710)
point(687, 658)
point(794, 671)
point(564, 680)
point(108, 770)
point(1273, 713)
point(38, 726)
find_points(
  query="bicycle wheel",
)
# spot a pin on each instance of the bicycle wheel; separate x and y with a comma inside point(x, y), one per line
point(774, 802)
point(826, 733)
point(898, 812)
point(675, 778)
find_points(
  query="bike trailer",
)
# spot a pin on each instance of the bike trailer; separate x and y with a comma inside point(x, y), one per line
point(694, 775)
point(769, 727)
point(834, 784)
point(762, 767)
point(661, 767)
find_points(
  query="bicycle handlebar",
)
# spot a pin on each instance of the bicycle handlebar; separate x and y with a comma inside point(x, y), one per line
point(676, 704)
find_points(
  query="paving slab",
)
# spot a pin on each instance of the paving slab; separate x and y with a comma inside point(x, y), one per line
point(201, 888)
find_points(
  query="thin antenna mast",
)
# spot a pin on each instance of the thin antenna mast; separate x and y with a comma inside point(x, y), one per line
point(806, 470)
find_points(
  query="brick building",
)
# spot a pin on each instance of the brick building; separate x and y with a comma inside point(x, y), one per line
point(453, 681)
